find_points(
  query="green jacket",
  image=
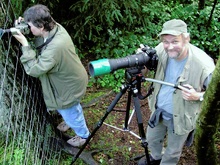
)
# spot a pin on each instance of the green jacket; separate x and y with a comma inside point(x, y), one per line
point(62, 75)
point(197, 68)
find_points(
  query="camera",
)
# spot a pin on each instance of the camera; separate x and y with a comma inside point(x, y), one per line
point(23, 27)
point(147, 57)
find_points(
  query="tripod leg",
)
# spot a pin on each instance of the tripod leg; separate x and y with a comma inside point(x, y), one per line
point(144, 143)
point(127, 110)
point(99, 124)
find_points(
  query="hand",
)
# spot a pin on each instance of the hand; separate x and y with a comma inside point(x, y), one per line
point(21, 38)
point(19, 20)
point(189, 93)
point(144, 71)
point(18, 35)
point(139, 50)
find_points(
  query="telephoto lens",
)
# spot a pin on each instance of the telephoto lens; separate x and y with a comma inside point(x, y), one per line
point(104, 66)
point(146, 58)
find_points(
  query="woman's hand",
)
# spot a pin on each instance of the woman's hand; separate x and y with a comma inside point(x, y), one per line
point(18, 35)
point(19, 20)
point(21, 38)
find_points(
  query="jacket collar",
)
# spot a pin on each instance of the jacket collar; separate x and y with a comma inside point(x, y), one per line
point(185, 74)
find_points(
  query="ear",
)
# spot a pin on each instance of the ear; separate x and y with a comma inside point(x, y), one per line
point(42, 28)
point(187, 39)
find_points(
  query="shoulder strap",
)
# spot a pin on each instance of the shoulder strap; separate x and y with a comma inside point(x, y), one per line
point(47, 41)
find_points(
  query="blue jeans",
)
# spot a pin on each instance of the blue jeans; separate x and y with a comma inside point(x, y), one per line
point(74, 118)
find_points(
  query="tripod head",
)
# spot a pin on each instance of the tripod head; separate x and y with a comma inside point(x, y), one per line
point(134, 78)
point(132, 74)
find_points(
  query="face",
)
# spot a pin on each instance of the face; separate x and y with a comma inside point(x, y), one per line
point(35, 30)
point(175, 46)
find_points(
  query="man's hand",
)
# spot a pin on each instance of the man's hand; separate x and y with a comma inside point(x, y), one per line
point(189, 93)
point(139, 50)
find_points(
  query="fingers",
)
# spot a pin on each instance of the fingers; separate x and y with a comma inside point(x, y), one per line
point(16, 32)
point(188, 92)
point(142, 46)
point(21, 38)
point(185, 88)
point(188, 86)
point(139, 50)
point(19, 20)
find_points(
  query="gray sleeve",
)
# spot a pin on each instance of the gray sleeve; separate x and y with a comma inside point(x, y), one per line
point(207, 81)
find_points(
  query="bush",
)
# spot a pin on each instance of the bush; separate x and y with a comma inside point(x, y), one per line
point(120, 42)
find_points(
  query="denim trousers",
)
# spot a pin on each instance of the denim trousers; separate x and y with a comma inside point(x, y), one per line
point(75, 119)
point(170, 151)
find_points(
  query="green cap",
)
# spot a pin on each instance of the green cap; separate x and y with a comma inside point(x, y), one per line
point(174, 27)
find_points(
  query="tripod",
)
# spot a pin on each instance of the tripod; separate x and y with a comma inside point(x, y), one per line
point(133, 86)
point(124, 129)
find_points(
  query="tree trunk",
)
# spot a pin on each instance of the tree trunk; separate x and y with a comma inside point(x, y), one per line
point(208, 122)
point(201, 4)
point(212, 11)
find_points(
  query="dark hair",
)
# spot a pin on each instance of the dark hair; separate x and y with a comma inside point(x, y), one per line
point(39, 16)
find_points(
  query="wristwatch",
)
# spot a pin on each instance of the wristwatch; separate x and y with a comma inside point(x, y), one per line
point(201, 97)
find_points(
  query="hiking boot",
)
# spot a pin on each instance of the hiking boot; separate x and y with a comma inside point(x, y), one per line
point(143, 161)
point(63, 127)
point(76, 141)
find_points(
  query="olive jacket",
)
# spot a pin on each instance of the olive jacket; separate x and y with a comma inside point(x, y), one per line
point(197, 68)
point(63, 77)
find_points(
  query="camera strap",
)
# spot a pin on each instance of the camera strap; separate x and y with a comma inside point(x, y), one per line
point(47, 41)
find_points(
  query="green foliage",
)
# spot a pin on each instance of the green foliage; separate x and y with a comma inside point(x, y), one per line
point(204, 35)
point(18, 6)
point(15, 153)
point(121, 41)
point(95, 18)
point(18, 155)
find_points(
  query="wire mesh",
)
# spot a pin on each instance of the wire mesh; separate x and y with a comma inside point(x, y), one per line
point(26, 135)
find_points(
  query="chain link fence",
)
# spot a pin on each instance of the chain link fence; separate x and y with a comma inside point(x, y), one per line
point(26, 135)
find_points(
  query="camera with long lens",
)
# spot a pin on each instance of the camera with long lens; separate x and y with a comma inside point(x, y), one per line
point(147, 57)
point(22, 27)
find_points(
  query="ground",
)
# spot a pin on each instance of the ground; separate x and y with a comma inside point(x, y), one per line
point(116, 142)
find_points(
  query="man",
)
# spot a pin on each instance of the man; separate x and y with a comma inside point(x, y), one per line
point(62, 75)
point(175, 111)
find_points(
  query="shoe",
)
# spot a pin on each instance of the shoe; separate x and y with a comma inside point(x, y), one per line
point(143, 161)
point(76, 141)
point(63, 127)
